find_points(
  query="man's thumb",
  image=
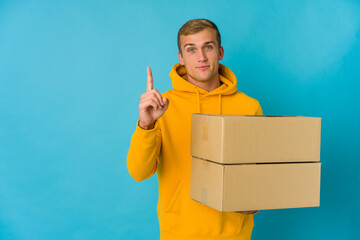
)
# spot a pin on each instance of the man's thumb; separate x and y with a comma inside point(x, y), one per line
point(166, 101)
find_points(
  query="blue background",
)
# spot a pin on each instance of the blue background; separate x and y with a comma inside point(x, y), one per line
point(71, 76)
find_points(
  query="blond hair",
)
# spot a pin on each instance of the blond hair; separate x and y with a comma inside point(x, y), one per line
point(195, 26)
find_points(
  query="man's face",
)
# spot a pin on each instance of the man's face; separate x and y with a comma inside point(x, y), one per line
point(201, 55)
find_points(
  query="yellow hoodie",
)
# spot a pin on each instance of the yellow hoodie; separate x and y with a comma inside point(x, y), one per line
point(165, 149)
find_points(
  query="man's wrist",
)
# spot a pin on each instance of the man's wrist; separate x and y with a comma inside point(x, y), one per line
point(147, 127)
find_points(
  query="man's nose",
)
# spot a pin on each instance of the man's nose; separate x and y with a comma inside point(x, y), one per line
point(202, 56)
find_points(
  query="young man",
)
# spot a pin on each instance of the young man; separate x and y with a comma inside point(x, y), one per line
point(161, 142)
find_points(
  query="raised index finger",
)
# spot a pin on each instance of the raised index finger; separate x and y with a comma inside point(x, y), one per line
point(149, 85)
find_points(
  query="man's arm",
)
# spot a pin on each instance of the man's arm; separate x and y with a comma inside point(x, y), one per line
point(143, 155)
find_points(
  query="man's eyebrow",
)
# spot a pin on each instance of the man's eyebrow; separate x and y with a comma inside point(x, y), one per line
point(192, 44)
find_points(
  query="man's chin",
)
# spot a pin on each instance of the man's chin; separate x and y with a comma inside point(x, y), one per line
point(202, 80)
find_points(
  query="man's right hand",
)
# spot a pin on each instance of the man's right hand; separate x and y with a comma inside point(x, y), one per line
point(152, 105)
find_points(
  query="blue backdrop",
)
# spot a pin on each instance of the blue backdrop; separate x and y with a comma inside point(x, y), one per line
point(71, 76)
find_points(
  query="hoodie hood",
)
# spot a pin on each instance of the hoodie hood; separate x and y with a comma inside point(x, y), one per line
point(180, 83)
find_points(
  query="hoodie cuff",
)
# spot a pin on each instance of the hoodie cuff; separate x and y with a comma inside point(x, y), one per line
point(146, 134)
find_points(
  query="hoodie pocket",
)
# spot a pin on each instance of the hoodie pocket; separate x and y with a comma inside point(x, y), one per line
point(173, 205)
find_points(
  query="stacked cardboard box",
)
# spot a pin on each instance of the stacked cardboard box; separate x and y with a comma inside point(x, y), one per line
point(244, 163)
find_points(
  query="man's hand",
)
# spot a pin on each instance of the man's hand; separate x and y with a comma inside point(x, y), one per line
point(152, 106)
point(248, 212)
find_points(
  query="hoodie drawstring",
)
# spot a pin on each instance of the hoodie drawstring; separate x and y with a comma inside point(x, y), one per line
point(219, 103)
point(198, 99)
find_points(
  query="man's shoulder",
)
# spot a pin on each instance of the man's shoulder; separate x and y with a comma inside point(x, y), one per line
point(240, 96)
point(240, 103)
point(169, 93)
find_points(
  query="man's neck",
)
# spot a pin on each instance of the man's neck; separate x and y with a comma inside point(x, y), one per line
point(208, 86)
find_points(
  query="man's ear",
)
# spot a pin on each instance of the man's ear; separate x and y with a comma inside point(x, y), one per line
point(181, 60)
point(221, 53)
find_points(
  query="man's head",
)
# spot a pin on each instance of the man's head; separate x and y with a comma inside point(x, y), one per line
point(195, 26)
point(200, 51)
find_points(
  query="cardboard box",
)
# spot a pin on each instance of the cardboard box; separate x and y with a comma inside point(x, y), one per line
point(244, 187)
point(255, 139)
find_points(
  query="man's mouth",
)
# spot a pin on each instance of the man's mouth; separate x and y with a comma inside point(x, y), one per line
point(203, 67)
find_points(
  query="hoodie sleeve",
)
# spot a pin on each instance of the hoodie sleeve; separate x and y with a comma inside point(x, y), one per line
point(143, 155)
point(259, 110)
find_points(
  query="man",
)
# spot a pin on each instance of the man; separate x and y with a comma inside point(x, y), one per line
point(161, 142)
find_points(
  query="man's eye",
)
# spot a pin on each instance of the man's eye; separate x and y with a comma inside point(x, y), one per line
point(208, 47)
point(190, 50)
